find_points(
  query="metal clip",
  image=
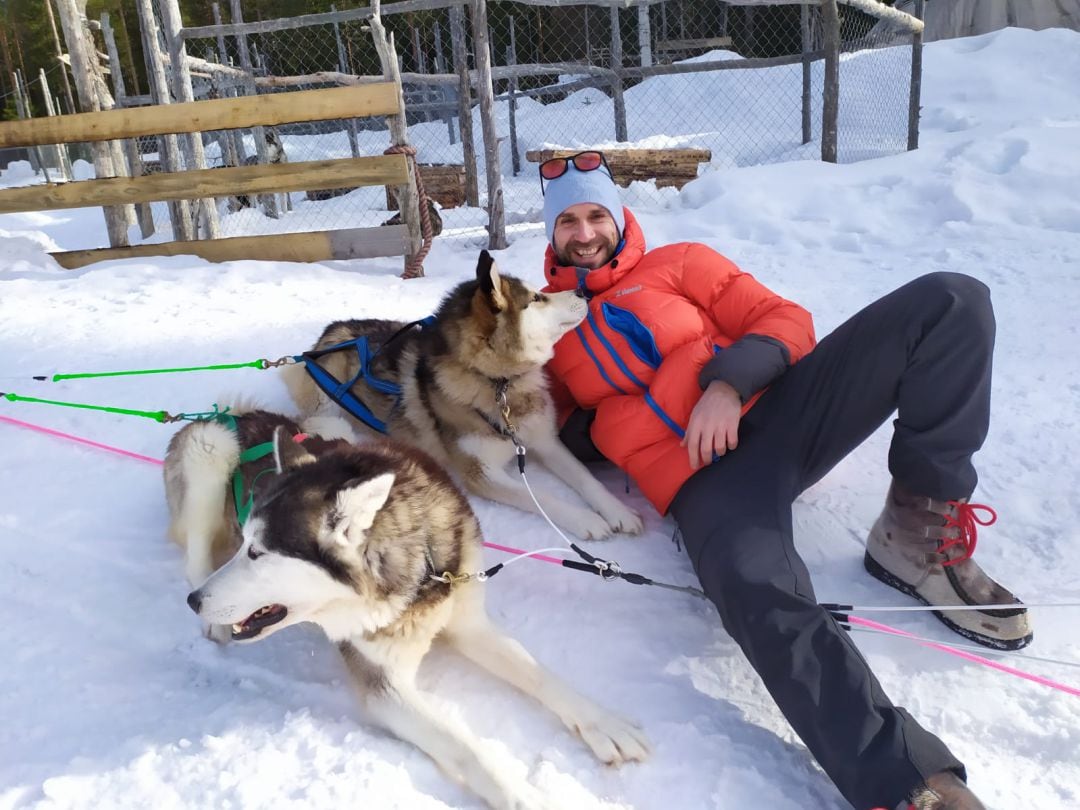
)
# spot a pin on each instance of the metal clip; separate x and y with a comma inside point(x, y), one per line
point(281, 361)
point(609, 570)
point(451, 579)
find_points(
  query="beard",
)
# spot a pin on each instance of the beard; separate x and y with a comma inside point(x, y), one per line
point(591, 255)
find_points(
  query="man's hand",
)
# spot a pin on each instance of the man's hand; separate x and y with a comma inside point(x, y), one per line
point(714, 424)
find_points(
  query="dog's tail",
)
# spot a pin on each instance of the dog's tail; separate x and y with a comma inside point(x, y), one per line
point(198, 465)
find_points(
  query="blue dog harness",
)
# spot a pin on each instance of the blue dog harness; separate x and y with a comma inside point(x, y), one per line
point(341, 392)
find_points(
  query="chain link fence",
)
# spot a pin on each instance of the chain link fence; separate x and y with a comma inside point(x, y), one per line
point(744, 82)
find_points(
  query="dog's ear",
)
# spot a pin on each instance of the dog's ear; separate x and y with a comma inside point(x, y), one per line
point(356, 505)
point(487, 273)
point(288, 454)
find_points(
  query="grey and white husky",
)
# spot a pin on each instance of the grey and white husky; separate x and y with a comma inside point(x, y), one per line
point(471, 382)
point(358, 539)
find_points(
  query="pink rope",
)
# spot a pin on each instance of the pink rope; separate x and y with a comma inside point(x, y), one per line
point(68, 436)
point(978, 659)
point(512, 550)
point(159, 462)
point(855, 620)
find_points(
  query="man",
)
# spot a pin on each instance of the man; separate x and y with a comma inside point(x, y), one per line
point(707, 389)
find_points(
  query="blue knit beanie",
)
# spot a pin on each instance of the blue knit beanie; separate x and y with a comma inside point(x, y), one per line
point(581, 187)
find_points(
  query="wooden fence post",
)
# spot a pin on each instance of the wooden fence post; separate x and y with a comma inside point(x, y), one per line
point(59, 57)
point(461, 68)
point(408, 196)
point(511, 59)
point(181, 76)
point(442, 92)
point(914, 99)
point(81, 49)
point(644, 35)
point(23, 110)
point(344, 67)
point(63, 159)
point(270, 200)
point(235, 141)
point(168, 145)
point(486, 92)
point(131, 147)
point(830, 111)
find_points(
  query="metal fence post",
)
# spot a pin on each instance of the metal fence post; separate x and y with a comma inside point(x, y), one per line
point(830, 108)
point(807, 73)
point(916, 80)
point(616, 84)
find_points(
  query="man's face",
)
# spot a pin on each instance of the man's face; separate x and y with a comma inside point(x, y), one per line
point(585, 236)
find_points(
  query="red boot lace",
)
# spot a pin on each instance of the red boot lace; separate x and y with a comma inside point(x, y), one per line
point(967, 524)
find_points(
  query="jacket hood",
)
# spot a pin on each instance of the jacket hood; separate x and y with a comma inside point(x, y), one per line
point(560, 277)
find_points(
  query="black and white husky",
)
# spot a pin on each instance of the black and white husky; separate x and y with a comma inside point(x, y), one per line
point(472, 387)
point(359, 539)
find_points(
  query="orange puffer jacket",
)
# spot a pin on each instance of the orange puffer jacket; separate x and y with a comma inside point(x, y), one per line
point(655, 318)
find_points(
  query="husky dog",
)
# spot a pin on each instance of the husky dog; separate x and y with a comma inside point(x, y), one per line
point(473, 391)
point(368, 542)
point(275, 153)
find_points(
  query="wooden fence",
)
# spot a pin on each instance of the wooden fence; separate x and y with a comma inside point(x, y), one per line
point(375, 99)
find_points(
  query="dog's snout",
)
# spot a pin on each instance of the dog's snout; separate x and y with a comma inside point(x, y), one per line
point(580, 293)
point(194, 600)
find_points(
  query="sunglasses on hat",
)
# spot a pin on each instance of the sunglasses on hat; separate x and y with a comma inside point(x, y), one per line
point(588, 161)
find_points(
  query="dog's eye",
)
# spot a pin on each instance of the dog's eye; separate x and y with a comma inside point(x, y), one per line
point(538, 298)
point(253, 554)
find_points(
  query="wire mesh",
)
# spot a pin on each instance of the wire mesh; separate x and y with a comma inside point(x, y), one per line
point(755, 98)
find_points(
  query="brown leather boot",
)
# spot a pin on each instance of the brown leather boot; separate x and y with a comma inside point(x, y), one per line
point(942, 791)
point(923, 547)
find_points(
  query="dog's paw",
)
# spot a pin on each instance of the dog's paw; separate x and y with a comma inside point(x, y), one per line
point(621, 518)
point(612, 739)
point(587, 525)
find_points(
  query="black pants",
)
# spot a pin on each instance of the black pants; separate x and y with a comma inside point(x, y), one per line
point(925, 351)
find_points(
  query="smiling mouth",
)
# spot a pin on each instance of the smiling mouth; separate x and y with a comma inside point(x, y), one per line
point(258, 621)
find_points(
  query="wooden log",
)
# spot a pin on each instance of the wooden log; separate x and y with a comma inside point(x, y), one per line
point(198, 116)
point(444, 183)
point(314, 246)
point(268, 178)
point(668, 167)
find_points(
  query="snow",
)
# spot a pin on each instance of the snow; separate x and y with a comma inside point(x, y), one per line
point(110, 697)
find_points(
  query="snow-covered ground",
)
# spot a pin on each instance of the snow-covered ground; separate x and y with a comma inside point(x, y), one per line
point(110, 697)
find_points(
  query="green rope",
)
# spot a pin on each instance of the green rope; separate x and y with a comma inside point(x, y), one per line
point(260, 364)
point(216, 415)
point(157, 416)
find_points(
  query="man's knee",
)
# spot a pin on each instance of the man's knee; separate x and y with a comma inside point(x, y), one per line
point(960, 288)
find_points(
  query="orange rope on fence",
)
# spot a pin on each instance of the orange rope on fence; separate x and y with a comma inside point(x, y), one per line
point(414, 265)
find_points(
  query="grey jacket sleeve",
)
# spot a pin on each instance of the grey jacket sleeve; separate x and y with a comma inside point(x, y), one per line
point(747, 365)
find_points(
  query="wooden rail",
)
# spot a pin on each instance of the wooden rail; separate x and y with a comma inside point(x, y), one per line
point(380, 98)
point(314, 246)
point(259, 179)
